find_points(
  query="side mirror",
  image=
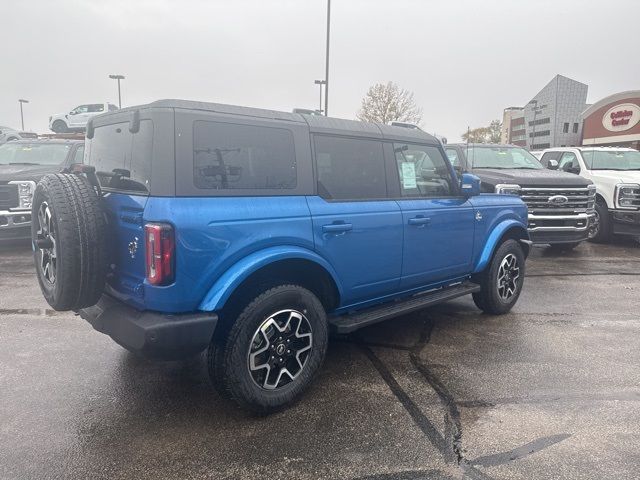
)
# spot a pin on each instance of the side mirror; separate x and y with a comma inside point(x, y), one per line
point(470, 185)
point(553, 165)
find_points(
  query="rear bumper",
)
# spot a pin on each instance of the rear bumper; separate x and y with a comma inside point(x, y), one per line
point(15, 225)
point(553, 229)
point(626, 222)
point(152, 334)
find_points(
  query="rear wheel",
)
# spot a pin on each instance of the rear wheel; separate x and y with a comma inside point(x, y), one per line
point(272, 351)
point(501, 282)
point(68, 237)
point(600, 226)
point(59, 127)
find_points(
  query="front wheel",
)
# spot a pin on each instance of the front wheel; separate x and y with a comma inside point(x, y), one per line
point(501, 281)
point(272, 351)
point(600, 225)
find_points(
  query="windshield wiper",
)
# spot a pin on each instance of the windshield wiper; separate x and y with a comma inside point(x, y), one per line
point(23, 163)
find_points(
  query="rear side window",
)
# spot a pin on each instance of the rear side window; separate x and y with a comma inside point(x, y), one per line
point(229, 156)
point(350, 169)
point(122, 159)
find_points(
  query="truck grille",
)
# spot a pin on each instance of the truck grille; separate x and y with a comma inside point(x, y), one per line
point(8, 196)
point(633, 198)
point(551, 201)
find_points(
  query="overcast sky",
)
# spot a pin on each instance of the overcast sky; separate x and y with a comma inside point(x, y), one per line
point(464, 60)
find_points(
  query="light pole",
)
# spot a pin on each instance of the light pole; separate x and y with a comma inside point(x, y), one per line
point(118, 78)
point(326, 74)
point(21, 101)
point(320, 83)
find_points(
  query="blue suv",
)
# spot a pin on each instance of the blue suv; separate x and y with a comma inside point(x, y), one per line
point(254, 233)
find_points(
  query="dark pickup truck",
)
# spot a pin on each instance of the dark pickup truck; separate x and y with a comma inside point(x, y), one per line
point(561, 205)
point(22, 164)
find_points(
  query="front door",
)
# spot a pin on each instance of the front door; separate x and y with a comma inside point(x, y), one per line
point(438, 223)
point(356, 227)
point(79, 116)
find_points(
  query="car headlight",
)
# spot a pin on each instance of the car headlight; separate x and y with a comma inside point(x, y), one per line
point(591, 202)
point(25, 192)
point(508, 189)
point(627, 195)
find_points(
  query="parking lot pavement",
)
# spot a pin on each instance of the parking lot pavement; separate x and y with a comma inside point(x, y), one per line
point(551, 390)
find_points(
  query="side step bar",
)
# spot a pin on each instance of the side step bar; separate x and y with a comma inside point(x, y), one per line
point(349, 323)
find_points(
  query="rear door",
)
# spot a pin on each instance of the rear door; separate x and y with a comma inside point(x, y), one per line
point(438, 223)
point(123, 166)
point(356, 227)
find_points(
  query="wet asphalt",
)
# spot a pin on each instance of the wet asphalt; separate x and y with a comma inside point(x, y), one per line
point(551, 390)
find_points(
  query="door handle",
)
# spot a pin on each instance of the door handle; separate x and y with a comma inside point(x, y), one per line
point(337, 228)
point(420, 221)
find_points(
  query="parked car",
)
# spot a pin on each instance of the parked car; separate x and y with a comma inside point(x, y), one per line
point(8, 134)
point(76, 119)
point(251, 232)
point(22, 164)
point(615, 172)
point(561, 205)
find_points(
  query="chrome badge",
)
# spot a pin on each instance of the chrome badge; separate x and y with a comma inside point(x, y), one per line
point(133, 247)
point(558, 200)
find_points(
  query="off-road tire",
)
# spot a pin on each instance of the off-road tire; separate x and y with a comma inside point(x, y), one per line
point(80, 241)
point(228, 352)
point(605, 230)
point(488, 299)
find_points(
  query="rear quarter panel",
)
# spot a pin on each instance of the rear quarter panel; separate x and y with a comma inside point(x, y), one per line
point(213, 233)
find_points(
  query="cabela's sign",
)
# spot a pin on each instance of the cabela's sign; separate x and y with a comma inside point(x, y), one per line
point(621, 117)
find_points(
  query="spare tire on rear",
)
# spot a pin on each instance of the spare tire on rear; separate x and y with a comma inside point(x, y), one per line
point(68, 235)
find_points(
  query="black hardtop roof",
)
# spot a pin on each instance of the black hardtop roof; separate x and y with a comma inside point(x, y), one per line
point(316, 123)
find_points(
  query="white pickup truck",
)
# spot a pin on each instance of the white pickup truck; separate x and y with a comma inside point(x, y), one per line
point(615, 172)
point(76, 119)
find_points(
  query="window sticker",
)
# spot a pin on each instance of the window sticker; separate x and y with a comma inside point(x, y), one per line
point(409, 175)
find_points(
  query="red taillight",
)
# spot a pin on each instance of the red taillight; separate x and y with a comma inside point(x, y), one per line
point(160, 247)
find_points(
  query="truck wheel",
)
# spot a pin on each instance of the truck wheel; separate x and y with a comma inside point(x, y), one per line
point(501, 282)
point(272, 351)
point(68, 237)
point(600, 227)
point(59, 127)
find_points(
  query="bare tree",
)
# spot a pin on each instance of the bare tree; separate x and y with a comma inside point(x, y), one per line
point(388, 102)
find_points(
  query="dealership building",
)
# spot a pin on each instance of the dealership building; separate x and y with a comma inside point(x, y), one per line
point(614, 120)
point(552, 118)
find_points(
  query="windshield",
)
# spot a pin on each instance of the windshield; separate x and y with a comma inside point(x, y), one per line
point(33, 154)
point(612, 160)
point(501, 157)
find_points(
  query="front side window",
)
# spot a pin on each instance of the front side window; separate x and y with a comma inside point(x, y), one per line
point(502, 158)
point(350, 169)
point(568, 161)
point(96, 107)
point(33, 154)
point(423, 170)
point(229, 156)
point(81, 109)
point(611, 159)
